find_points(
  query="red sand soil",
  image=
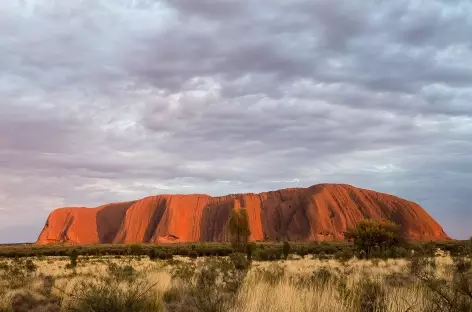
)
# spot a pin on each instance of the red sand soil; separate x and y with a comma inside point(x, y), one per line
point(319, 212)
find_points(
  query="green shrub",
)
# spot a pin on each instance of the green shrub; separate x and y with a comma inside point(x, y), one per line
point(184, 271)
point(271, 254)
point(121, 272)
point(73, 259)
point(328, 248)
point(162, 255)
point(468, 248)
point(343, 255)
point(249, 250)
point(193, 254)
point(212, 288)
point(107, 295)
point(30, 266)
point(322, 277)
point(375, 236)
point(302, 252)
point(362, 254)
point(152, 254)
point(401, 252)
point(261, 255)
point(219, 272)
point(286, 249)
point(375, 253)
point(321, 256)
point(426, 249)
point(171, 295)
point(239, 261)
point(135, 250)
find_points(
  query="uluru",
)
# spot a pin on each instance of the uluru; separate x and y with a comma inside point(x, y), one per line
point(317, 213)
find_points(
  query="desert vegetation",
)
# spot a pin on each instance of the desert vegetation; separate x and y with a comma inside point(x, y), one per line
point(309, 283)
point(350, 276)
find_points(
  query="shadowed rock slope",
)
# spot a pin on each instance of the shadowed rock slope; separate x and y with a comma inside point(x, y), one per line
point(319, 212)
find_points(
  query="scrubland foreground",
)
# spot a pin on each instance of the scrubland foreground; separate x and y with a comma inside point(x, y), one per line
point(181, 284)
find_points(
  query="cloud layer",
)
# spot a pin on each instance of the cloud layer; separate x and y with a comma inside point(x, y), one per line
point(105, 100)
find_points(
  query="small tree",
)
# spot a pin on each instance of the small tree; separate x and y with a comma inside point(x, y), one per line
point(239, 229)
point(286, 249)
point(73, 259)
point(370, 235)
point(249, 251)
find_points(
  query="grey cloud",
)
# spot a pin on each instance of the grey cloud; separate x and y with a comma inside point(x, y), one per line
point(210, 9)
point(115, 100)
point(366, 50)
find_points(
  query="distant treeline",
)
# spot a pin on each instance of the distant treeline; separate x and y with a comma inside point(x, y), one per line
point(260, 250)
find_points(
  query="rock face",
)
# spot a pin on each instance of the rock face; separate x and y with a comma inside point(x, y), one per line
point(319, 212)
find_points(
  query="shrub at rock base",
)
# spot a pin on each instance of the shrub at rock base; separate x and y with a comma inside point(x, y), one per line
point(375, 237)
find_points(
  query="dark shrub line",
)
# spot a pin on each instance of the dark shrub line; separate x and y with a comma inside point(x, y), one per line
point(255, 251)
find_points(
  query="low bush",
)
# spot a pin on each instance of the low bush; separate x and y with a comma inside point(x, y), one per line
point(73, 259)
point(18, 273)
point(162, 255)
point(108, 295)
point(193, 254)
point(302, 252)
point(375, 237)
point(122, 272)
point(171, 295)
point(152, 253)
point(27, 302)
point(212, 288)
point(183, 271)
point(322, 277)
point(239, 261)
point(135, 250)
point(454, 294)
point(260, 255)
point(343, 255)
point(30, 266)
point(250, 247)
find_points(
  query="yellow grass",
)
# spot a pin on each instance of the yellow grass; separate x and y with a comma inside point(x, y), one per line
point(256, 295)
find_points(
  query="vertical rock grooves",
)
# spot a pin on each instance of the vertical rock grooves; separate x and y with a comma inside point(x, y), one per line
point(319, 212)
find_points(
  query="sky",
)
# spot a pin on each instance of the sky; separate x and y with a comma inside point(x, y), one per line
point(112, 100)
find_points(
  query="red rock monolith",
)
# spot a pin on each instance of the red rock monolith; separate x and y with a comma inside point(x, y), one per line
point(320, 212)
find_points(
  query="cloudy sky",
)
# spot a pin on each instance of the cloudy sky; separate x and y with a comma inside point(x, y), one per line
point(110, 100)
